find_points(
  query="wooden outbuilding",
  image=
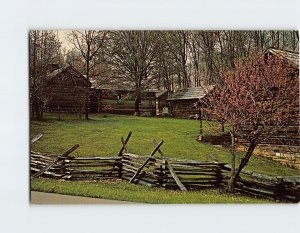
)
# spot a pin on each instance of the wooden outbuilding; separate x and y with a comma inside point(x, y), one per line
point(291, 57)
point(162, 105)
point(65, 90)
point(122, 101)
point(289, 137)
point(185, 102)
point(285, 142)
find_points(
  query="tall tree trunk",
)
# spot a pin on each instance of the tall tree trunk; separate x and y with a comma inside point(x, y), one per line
point(233, 156)
point(200, 123)
point(137, 102)
point(244, 162)
point(86, 105)
point(33, 91)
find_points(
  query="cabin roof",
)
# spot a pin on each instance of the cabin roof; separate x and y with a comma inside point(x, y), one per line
point(161, 93)
point(109, 83)
point(291, 57)
point(113, 84)
point(74, 74)
point(190, 93)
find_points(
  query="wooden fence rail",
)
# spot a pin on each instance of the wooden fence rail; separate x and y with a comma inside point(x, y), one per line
point(193, 175)
point(167, 173)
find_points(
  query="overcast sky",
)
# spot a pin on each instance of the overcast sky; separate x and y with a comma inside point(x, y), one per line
point(62, 34)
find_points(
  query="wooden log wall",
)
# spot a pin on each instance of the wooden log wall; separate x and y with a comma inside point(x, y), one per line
point(289, 136)
point(183, 108)
point(194, 175)
point(122, 102)
point(69, 99)
point(283, 147)
point(127, 107)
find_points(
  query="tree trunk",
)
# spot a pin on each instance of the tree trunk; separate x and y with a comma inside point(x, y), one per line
point(86, 106)
point(38, 109)
point(244, 162)
point(200, 125)
point(137, 102)
point(33, 90)
point(232, 180)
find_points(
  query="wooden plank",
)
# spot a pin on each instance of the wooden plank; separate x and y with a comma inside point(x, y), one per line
point(124, 144)
point(159, 150)
point(187, 183)
point(36, 138)
point(112, 164)
point(95, 158)
point(175, 177)
point(147, 161)
point(48, 173)
point(73, 148)
point(151, 165)
point(195, 173)
point(91, 172)
point(139, 181)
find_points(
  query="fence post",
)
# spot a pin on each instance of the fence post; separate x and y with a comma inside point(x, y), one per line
point(161, 173)
point(279, 190)
point(120, 154)
point(66, 167)
point(219, 178)
point(120, 166)
point(63, 167)
point(164, 176)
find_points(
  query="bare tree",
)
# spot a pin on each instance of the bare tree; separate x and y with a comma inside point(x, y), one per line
point(89, 43)
point(132, 58)
point(178, 42)
point(44, 49)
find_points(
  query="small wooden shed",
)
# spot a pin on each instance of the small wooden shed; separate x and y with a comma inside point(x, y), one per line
point(65, 90)
point(121, 101)
point(162, 105)
point(184, 102)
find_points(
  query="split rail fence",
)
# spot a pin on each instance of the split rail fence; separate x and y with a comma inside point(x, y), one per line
point(160, 171)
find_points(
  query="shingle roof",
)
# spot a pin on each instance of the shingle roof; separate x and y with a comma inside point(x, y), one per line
point(54, 73)
point(159, 94)
point(75, 73)
point(190, 93)
point(110, 83)
point(292, 57)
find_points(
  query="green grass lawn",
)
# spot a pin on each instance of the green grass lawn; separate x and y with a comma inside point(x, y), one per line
point(122, 190)
point(100, 136)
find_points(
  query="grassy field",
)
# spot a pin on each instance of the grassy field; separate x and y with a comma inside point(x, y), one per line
point(122, 190)
point(100, 136)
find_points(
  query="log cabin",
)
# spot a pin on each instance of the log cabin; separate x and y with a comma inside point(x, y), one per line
point(289, 137)
point(185, 102)
point(65, 90)
point(284, 145)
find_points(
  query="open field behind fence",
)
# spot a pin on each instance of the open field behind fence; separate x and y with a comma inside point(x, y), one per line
point(162, 172)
